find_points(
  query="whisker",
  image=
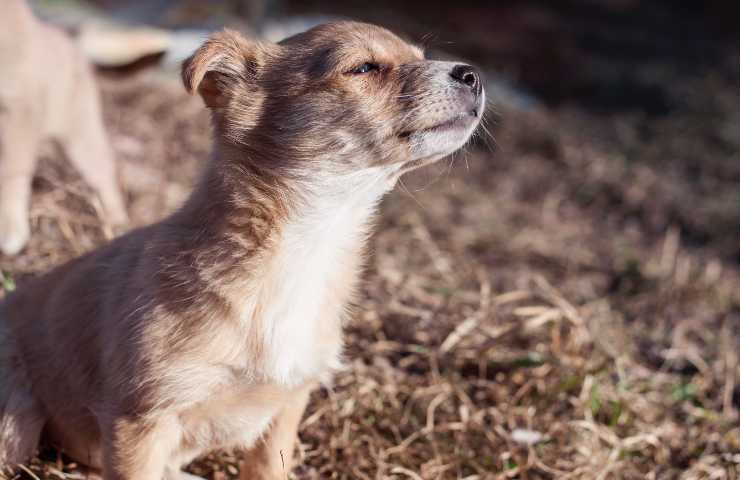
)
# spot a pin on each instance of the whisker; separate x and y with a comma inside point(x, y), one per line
point(452, 162)
point(405, 189)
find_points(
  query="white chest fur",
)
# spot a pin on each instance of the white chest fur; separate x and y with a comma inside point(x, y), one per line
point(310, 278)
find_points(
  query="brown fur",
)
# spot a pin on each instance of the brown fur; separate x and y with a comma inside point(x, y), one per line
point(208, 329)
point(47, 93)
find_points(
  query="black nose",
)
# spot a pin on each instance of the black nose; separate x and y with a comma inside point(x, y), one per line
point(467, 75)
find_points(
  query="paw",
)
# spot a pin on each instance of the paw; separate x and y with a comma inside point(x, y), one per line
point(14, 233)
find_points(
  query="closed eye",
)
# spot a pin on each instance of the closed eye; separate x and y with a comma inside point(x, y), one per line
point(366, 67)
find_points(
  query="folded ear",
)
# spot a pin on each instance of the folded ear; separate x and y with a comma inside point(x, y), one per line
point(225, 64)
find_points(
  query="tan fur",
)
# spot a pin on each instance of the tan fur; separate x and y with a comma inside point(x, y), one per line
point(47, 93)
point(209, 329)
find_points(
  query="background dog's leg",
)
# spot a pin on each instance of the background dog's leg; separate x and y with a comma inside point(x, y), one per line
point(272, 457)
point(86, 145)
point(18, 148)
point(135, 450)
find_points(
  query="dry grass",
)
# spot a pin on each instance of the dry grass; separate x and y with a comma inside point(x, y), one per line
point(516, 321)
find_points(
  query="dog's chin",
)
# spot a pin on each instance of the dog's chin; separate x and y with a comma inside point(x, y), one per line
point(431, 144)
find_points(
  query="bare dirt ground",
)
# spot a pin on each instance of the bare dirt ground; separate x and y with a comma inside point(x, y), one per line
point(567, 306)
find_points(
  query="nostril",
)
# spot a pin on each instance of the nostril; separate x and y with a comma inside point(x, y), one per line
point(466, 75)
point(469, 79)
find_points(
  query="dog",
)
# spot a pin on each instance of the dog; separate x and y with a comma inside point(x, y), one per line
point(210, 328)
point(48, 93)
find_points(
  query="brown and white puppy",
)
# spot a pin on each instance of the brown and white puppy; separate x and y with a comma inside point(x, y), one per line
point(47, 93)
point(210, 328)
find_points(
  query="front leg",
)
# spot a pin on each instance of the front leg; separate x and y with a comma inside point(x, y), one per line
point(136, 449)
point(272, 457)
point(18, 142)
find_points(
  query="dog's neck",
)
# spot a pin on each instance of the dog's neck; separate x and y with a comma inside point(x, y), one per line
point(241, 210)
point(235, 189)
point(286, 252)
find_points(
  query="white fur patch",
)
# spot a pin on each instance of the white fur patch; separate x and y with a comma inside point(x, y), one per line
point(299, 297)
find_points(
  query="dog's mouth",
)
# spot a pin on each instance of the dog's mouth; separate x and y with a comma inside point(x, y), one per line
point(460, 121)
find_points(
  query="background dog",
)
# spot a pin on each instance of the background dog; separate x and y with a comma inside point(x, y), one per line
point(48, 93)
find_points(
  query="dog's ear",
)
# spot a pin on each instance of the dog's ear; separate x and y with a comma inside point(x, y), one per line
point(225, 65)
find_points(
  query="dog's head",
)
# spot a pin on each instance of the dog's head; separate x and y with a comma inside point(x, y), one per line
point(347, 94)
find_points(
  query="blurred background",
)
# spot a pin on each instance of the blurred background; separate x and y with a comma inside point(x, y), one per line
point(560, 301)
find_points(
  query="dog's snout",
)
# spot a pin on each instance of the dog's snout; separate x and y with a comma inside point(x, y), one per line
point(467, 75)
